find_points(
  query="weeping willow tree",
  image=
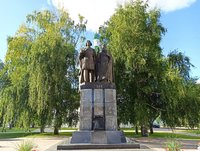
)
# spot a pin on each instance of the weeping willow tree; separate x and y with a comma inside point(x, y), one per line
point(40, 65)
point(180, 92)
point(14, 94)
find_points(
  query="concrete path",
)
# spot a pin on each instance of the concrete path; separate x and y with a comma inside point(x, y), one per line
point(41, 144)
point(50, 143)
point(159, 144)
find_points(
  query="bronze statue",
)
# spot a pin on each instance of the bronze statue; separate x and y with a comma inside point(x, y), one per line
point(95, 67)
point(104, 71)
point(87, 63)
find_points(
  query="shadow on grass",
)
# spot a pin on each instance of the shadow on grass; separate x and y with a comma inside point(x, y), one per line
point(5, 135)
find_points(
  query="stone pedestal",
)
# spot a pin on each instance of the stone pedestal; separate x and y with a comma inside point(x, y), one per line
point(98, 137)
point(98, 115)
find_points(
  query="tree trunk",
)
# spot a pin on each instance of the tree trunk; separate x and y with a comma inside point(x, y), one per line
point(56, 131)
point(57, 122)
point(32, 125)
point(136, 130)
point(42, 129)
point(151, 128)
point(43, 120)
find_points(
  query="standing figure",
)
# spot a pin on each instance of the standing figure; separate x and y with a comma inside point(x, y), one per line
point(87, 63)
point(104, 66)
point(109, 73)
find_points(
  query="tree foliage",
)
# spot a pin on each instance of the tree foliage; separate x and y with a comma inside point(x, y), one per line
point(133, 36)
point(183, 94)
point(39, 83)
point(40, 65)
point(148, 83)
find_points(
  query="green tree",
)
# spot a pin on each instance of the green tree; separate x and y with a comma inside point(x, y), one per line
point(1, 86)
point(14, 96)
point(40, 63)
point(189, 106)
point(52, 64)
point(180, 109)
point(148, 83)
point(133, 35)
point(181, 62)
point(1, 77)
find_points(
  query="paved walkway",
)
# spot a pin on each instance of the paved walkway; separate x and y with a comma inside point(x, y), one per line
point(41, 144)
point(50, 143)
point(159, 144)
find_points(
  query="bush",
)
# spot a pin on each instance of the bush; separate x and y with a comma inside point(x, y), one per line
point(173, 145)
point(26, 145)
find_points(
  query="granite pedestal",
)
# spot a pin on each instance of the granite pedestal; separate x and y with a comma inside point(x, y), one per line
point(98, 116)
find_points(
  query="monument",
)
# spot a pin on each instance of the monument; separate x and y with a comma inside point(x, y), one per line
point(98, 108)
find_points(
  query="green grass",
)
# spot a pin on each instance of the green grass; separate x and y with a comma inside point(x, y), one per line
point(6, 135)
point(69, 128)
point(194, 131)
point(127, 129)
point(16, 130)
point(163, 135)
point(62, 134)
point(172, 135)
point(15, 133)
point(129, 132)
point(19, 132)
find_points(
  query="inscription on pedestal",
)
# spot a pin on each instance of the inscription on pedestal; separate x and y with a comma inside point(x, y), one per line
point(97, 85)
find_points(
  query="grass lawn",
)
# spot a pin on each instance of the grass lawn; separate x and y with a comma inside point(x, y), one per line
point(17, 133)
point(62, 134)
point(163, 135)
point(69, 128)
point(6, 135)
point(172, 135)
point(16, 130)
point(194, 131)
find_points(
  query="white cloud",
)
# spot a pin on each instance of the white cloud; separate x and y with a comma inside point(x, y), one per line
point(99, 11)
point(198, 81)
point(95, 11)
point(170, 5)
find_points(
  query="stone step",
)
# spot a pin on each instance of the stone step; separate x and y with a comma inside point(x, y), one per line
point(97, 146)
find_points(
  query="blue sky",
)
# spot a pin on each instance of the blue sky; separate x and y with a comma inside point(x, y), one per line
point(180, 17)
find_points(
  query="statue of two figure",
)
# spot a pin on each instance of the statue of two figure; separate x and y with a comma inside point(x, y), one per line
point(95, 67)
